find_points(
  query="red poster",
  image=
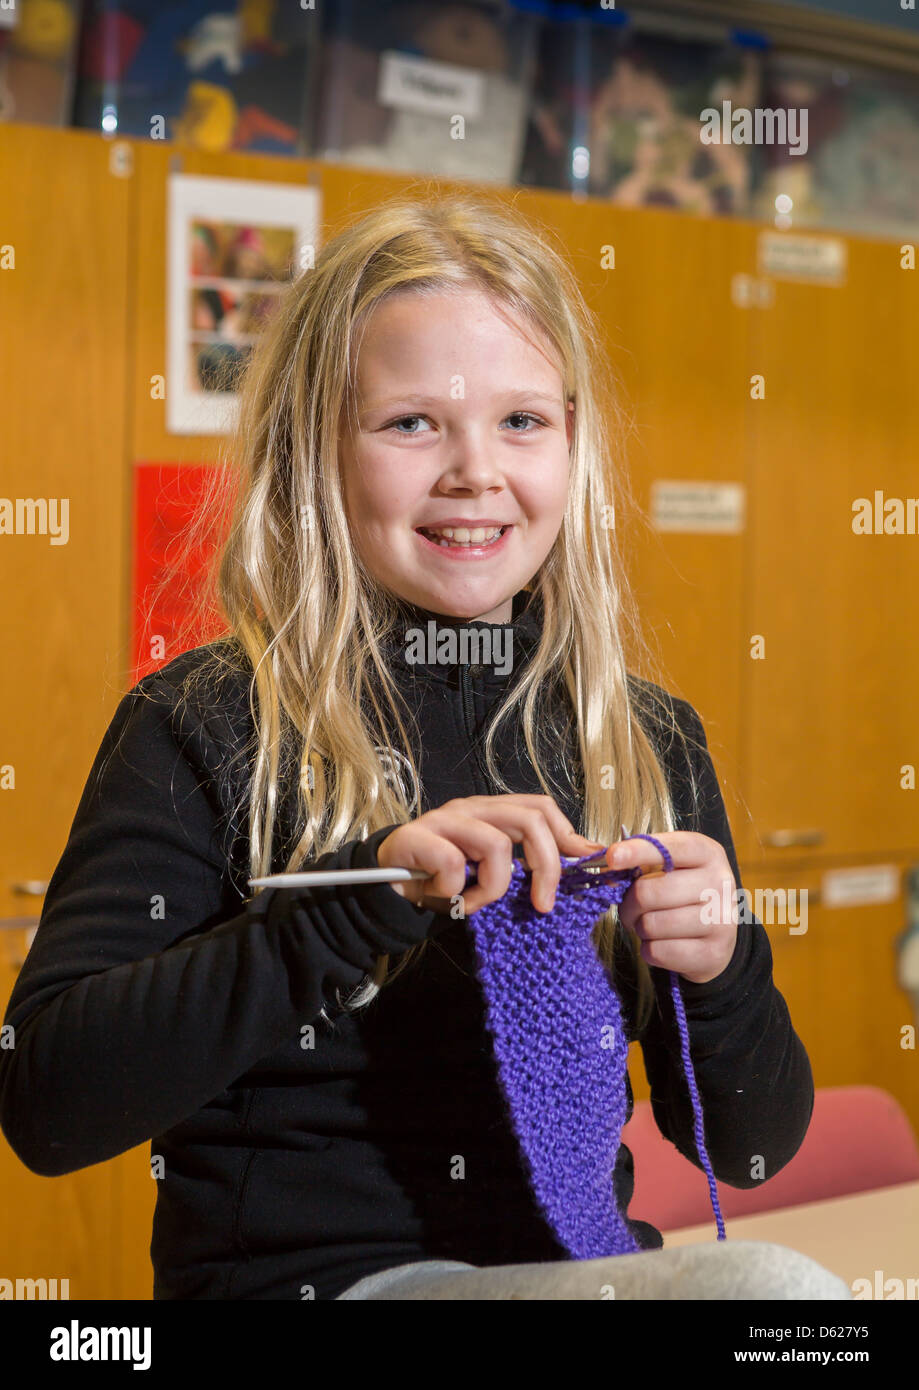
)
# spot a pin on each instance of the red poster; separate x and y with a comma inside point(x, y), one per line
point(168, 568)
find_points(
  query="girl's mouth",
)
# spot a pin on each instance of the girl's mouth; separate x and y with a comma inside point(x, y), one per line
point(468, 548)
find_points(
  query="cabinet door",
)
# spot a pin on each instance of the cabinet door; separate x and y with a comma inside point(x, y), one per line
point(832, 706)
point(63, 369)
point(839, 978)
point(63, 365)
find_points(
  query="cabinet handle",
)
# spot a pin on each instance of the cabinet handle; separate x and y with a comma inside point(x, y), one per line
point(31, 887)
point(780, 838)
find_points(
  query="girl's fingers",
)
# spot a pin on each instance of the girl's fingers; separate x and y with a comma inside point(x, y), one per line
point(663, 892)
point(445, 858)
point(546, 833)
point(687, 849)
point(680, 922)
point(484, 831)
point(487, 839)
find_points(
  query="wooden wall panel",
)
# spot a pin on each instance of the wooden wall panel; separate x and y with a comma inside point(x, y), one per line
point(64, 366)
point(65, 369)
point(830, 714)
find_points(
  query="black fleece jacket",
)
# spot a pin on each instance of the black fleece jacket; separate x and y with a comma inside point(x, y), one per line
point(160, 1001)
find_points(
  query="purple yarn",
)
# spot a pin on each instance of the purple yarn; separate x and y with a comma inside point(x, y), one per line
point(556, 1023)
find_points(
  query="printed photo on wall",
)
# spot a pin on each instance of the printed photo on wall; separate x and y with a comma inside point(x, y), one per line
point(234, 246)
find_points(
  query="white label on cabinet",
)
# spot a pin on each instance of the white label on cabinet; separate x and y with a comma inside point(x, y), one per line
point(871, 883)
point(421, 84)
point(821, 259)
point(697, 506)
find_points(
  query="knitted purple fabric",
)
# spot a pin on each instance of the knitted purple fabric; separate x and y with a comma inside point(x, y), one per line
point(561, 1049)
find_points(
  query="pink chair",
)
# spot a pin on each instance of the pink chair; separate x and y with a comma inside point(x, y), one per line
point(859, 1138)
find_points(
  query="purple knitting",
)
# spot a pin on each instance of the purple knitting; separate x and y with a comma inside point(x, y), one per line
point(561, 1049)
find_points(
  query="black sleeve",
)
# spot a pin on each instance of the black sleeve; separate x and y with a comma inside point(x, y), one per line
point(753, 1073)
point(142, 997)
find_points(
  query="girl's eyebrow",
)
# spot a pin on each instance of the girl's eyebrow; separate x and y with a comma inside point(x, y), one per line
point(515, 392)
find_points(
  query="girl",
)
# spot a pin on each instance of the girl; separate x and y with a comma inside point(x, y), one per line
point(423, 445)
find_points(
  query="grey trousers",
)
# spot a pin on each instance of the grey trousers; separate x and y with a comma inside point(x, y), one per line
point(731, 1269)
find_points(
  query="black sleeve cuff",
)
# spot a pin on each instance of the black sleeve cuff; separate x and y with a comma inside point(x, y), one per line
point(401, 922)
point(357, 922)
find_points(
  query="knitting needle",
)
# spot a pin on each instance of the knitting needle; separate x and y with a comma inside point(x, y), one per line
point(318, 878)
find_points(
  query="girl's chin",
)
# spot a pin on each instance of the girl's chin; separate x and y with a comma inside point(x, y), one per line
point(490, 608)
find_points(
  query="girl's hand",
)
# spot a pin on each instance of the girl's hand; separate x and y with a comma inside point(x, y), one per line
point(680, 930)
point(483, 830)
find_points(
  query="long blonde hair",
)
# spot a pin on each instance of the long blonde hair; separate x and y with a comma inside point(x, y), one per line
point(309, 620)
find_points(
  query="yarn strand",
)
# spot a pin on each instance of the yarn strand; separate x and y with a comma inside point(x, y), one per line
point(680, 1011)
point(696, 1103)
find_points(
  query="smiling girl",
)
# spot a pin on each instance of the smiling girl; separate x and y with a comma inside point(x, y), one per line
point(424, 448)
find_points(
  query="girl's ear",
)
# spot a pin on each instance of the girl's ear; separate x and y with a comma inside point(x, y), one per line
point(569, 421)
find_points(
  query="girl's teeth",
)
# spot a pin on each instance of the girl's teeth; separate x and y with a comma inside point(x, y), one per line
point(461, 535)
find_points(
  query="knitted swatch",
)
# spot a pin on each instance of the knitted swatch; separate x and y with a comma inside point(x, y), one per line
point(561, 1048)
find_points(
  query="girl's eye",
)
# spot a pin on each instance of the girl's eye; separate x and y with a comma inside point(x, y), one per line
point(524, 415)
point(403, 420)
point(517, 415)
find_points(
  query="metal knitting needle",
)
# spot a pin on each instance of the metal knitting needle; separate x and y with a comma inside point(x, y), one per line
point(318, 878)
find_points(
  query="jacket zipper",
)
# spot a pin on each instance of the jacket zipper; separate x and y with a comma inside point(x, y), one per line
point(468, 707)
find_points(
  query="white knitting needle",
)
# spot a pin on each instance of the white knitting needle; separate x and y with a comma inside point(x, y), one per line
point(317, 878)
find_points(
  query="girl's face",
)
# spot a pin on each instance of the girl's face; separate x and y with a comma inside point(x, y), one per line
point(460, 422)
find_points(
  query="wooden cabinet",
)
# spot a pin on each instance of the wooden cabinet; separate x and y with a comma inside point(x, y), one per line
point(65, 368)
point(830, 713)
point(65, 371)
point(811, 741)
point(680, 345)
point(839, 980)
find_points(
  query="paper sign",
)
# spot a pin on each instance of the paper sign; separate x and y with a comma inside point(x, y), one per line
point(820, 259)
point(870, 883)
point(698, 506)
point(421, 84)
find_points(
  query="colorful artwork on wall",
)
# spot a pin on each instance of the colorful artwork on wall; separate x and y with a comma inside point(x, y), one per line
point(234, 247)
